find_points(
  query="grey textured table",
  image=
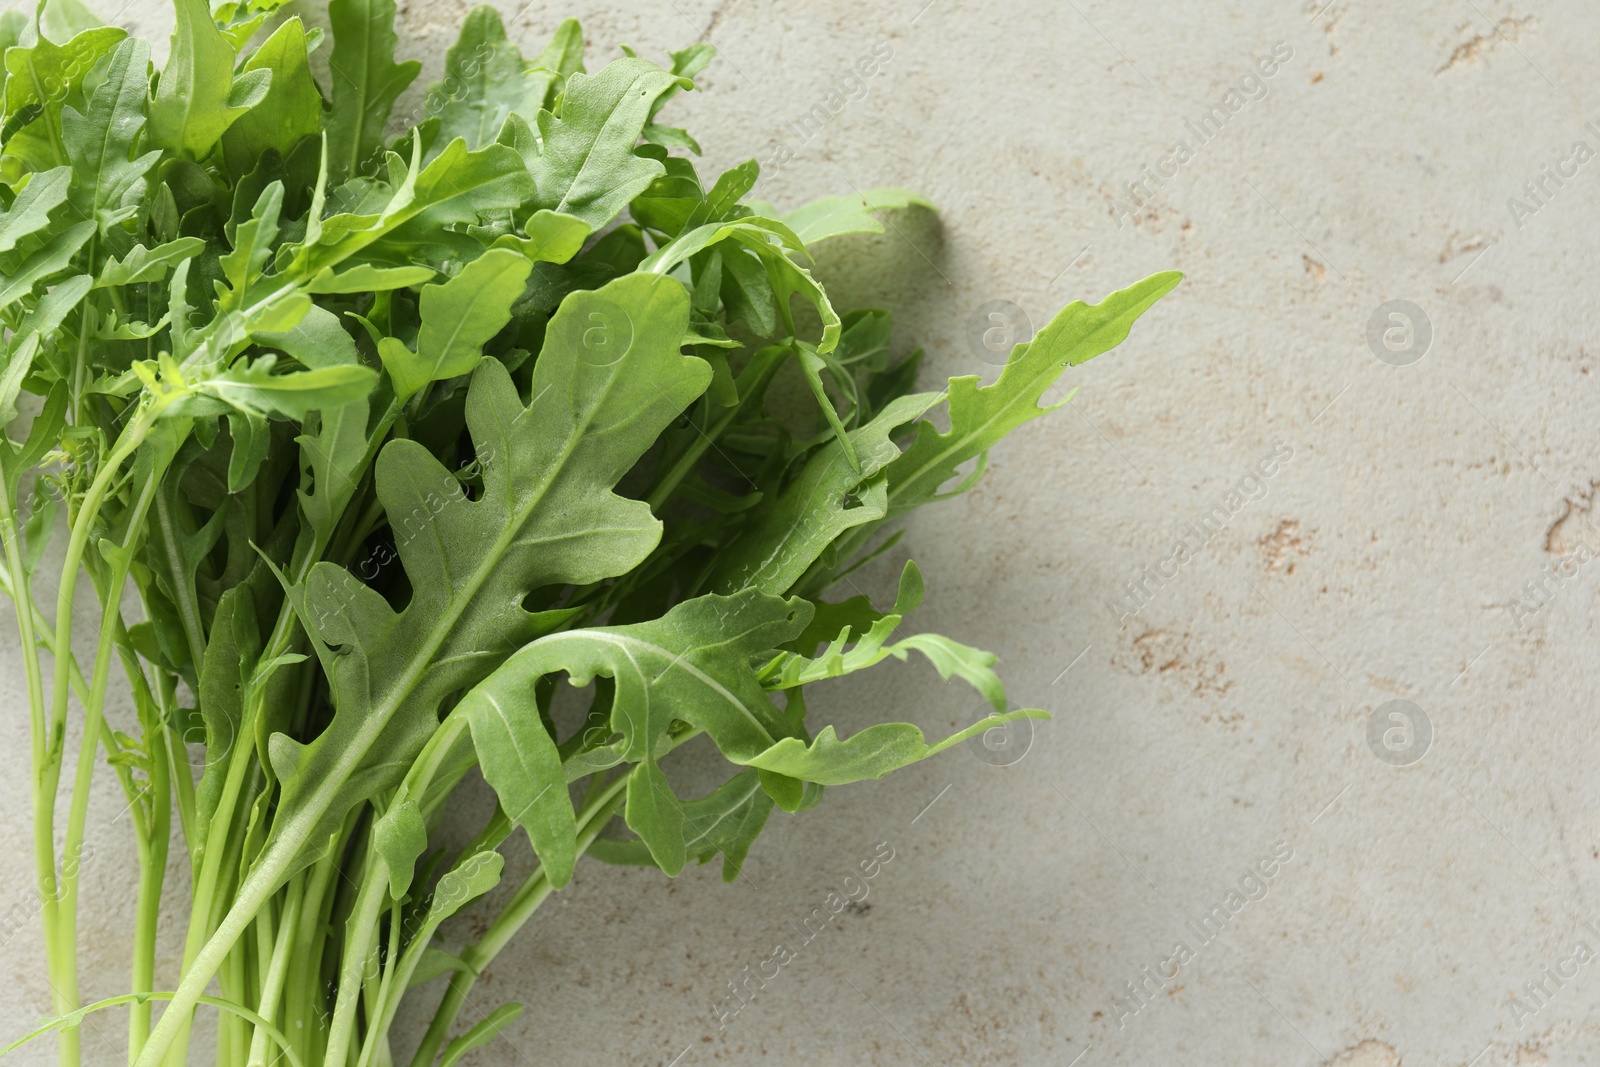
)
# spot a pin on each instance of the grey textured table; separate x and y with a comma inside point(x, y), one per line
point(1107, 895)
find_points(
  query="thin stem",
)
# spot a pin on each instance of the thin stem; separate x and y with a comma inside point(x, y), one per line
point(184, 780)
point(358, 952)
point(231, 1032)
point(71, 1022)
point(152, 873)
point(78, 813)
point(43, 802)
point(303, 1014)
point(377, 991)
point(183, 596)
point(278, 965)
point(59, 915)
point(397, 978)
point(517, 911)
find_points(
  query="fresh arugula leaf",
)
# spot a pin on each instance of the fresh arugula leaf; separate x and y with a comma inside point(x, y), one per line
point(39, 79)
point(520, 761)
point(46, 263)
point(869, 753)
point(316, 341)
point(485, 80)
point(198, 96)
point(30, 212)
point(583, 162)
point(608, 381)
point(871, 646)
point(291, 110)
point(143, 265)
point(981, 415)
point(551, 237)
point(365, 278)
point(836, 216)
point(365, 80)
point(100, 141)
point(458, 318)
point(254, 389)
point(786, 533)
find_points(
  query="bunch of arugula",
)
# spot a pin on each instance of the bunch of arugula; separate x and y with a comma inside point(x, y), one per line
point(389, 425)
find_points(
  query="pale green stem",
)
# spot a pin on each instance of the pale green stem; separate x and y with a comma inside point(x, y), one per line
point(44, 833)
point(532, 893)
point(76, 1019)
point(152, 873)
point(78, 812)
point(60, 916)
point(358, 954)
point(278, 968)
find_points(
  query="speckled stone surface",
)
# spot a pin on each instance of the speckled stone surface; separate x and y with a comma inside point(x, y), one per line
point(1229, 845)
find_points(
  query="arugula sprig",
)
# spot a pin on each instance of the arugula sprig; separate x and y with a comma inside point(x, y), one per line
point(367, 428)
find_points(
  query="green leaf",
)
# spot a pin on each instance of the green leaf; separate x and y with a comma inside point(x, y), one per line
point(30, 213)
point(179, 544)
point(485, 1031)
point(694, 665)
point(772, 242)
point(732, 186)
point(458, 319)
point(833, 622)
point(609, 379)
point(253, 388)
point(468, 880)
point(251, 436)
point(230, 657)
point(333, 452)
point(317, 341)
point(656, 816)
point(252, 245)
point(728, 822)
point(551, 237)
point(788, 531)
point(631, 853)
point(834, 216)
point(290, 112)
point(400, 836)
point(584, 163)
point(365, 278)
point(365, 80)
point(43, 265)
point(42, 322)
point(563, 56)
point(812, 365)
point(747, 292)
point(869, 753)
point(485, 80)
point(142, 265)
point(520, 762)
point(36, 530)
point(198, 97)
point(980, 417)
point(100, 141)
point(949, 658)
point(39, 78)
point(452, 189)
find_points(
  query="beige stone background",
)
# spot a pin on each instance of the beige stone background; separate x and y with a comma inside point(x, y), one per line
point(1388, 558)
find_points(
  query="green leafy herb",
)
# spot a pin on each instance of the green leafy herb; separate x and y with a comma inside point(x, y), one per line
point(366, 432)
